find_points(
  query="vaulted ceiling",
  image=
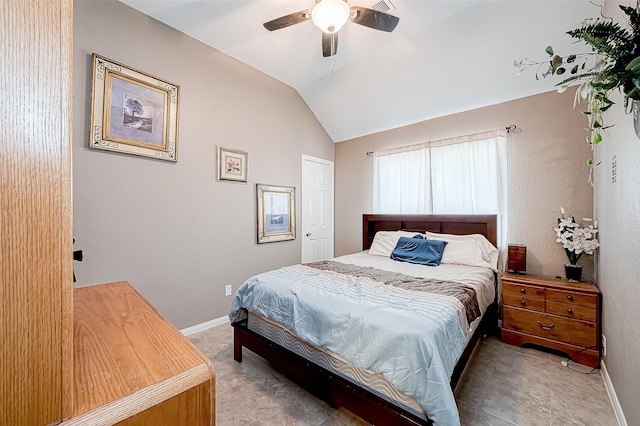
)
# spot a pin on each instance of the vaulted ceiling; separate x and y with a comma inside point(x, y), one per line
point(444, 56)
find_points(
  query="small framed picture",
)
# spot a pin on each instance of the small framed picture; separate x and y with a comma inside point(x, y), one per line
point(133, 112)
point(232, 165)
point(276, 213)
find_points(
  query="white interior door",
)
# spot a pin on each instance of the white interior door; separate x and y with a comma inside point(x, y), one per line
point(317, 209)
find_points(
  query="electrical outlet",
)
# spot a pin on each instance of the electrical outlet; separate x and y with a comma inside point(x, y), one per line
point(227, 290)
point(604, 346)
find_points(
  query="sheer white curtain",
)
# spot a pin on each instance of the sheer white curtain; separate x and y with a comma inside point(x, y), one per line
point(401, 182)
point(469, 178)
point(466, 175)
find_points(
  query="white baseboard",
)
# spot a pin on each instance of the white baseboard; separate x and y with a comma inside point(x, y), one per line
point(617, 409)
point(204, 326)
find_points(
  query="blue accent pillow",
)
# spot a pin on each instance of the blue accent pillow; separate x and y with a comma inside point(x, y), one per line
point(420, 251)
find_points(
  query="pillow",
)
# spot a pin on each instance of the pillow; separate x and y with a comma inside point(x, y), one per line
point(417, 250)
point(472, 250)
point(462, 252)
point(385, 241)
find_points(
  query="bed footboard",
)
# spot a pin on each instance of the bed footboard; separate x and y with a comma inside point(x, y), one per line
point(338, 391)
point(322, 383)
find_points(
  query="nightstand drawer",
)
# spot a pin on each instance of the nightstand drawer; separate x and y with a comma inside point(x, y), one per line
point(572, 297)
point(523, 290)
point(572, 311)
point(568, 330)
point(523, 301)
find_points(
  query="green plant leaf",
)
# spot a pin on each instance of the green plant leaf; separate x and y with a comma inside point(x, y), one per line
point(574, 69)
point(549, 50)
point(634, 93)
point(602, 97)
point(590, 162)
point(571, 59)
point(634, 65)
point(560, 71)
point(584, 76)
point(556, 61)
point(597, 138)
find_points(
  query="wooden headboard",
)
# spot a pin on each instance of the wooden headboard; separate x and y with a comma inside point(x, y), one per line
point(445, 224)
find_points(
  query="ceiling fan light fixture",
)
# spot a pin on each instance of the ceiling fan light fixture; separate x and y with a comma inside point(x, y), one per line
point(330, 15)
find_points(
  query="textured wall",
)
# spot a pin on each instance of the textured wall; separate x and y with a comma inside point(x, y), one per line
point(547, 169)
point(618, 268)
point(172, 230)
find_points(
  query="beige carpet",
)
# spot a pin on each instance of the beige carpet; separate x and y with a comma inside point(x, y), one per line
point(503, 385)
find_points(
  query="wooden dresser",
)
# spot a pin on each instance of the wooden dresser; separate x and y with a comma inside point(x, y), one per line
point(554, 313)
point(132, 366)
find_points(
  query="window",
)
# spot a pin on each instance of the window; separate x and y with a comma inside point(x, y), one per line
point(465, 175)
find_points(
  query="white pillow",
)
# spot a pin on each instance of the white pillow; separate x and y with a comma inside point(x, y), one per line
point(472, 250)
point(385, 241)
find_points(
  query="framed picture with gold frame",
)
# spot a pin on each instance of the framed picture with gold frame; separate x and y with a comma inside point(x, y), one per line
point(133, 112)
point(276, 213)
point(232, 165)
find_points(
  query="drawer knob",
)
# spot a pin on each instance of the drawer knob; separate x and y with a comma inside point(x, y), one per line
point(570, 311)
point(545, 327)
point(522, 290)
point(522, 302)
point(570, 297)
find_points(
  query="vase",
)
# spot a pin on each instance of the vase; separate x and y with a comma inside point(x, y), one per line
point(573, 272)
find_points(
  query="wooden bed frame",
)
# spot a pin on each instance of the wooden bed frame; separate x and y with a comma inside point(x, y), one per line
point(340, 392)
point(443, 224)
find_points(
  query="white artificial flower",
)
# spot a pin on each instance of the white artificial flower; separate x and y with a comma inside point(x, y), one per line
point(576, 239)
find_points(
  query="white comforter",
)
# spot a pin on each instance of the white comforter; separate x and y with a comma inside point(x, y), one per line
point(412, 338)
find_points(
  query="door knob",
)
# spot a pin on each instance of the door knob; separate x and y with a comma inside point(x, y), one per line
point(308, 234)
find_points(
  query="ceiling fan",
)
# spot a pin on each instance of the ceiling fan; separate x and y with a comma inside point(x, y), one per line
point(330, 16)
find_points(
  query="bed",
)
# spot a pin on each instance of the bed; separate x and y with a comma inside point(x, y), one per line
point(386, 370)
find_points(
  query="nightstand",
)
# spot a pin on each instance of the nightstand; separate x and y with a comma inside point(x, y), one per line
point(554, 313)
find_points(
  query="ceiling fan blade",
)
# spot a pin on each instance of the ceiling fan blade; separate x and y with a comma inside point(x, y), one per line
point(374, 19)
point(329, 44)
point(287, 20)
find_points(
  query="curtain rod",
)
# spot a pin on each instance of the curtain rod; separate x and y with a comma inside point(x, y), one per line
point(509, 129)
